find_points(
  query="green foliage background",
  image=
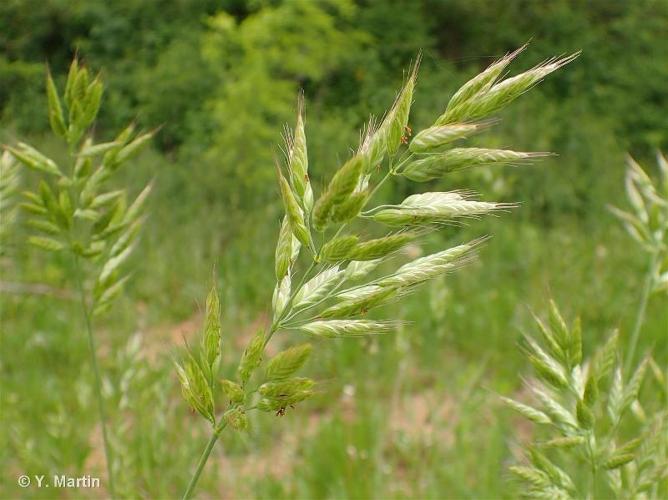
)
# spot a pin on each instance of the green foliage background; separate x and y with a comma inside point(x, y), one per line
point(407, 416)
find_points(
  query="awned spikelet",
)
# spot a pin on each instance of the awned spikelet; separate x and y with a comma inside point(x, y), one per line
point(298, 160)
point(494, 98)
point(391, 133)
point(212, 328)
point(433, 138)
point(345, 180)
point(430, 266)
point(437, 165)
point(360, 302)
point(435, 208)
point(317, 288)
point(283, 253)
point(482, 82)
point(339, 248)
point(349, 328)
point(293, 211)
point(380, 247)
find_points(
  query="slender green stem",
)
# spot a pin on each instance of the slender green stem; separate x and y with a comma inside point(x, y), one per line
point(98, 378)
point(592, 465)
point(202, 461)
point(642, 308)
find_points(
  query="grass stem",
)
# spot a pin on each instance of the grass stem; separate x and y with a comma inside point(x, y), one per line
point(202, 462)
point(642, 309)
point(98, 379)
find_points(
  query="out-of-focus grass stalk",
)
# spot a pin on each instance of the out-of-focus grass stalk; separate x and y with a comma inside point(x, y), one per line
point(96, 372)
point(642, 310)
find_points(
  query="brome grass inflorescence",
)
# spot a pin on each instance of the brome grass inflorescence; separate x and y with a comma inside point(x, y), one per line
point(647, 223)
point(331, 296)
point(74, 210)
point(592, 414)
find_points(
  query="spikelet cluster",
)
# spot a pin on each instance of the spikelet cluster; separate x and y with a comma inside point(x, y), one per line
point(582, 405)
point(331, 298)
point(647, 219)
point(73, 209)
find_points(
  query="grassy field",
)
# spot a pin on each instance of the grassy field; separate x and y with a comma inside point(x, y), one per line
point(415, 414)
point(412, 415)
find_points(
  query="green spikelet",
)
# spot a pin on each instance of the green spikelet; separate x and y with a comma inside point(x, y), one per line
point(283, 250)
point(293, 211)
point(350, 208)
point(380, 247)
point(288, 362)
point(212, 327)
point(233, 391)
point(339, 248)
point(251, 358)
point(345, 179)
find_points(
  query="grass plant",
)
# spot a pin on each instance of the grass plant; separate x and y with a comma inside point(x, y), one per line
point(335, 292)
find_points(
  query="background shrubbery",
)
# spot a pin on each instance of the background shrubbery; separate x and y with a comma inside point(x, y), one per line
point(414, 414)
